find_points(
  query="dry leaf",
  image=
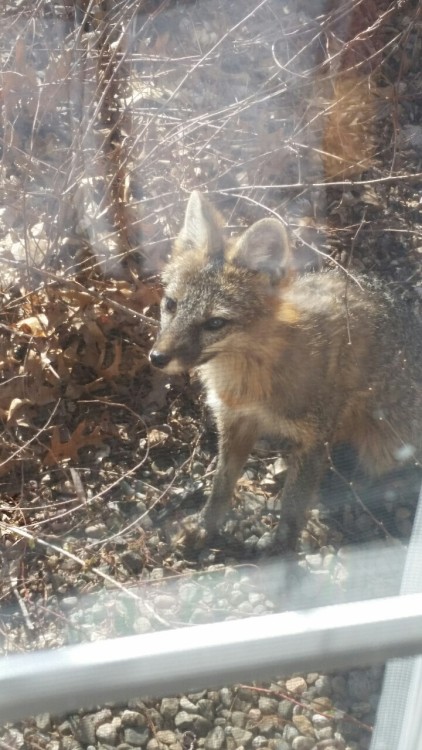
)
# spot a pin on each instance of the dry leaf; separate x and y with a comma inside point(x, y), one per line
point(95, 345)
point(113, 371)
point(36, 325)
point(17, 405)
point(155, 437)
point(68, 449)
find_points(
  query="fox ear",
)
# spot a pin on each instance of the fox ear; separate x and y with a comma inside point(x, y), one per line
point(201, 229)
point(264, 247)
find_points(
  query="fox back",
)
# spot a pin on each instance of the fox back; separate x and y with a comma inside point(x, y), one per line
point(317, 358)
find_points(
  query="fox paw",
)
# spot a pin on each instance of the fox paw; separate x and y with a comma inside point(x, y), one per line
point(200, 528)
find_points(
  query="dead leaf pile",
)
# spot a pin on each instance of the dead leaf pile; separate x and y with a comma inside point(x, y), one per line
point(64, 344)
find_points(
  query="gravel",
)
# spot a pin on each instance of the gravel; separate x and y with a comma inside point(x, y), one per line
point(277, 716)
point(309, 711)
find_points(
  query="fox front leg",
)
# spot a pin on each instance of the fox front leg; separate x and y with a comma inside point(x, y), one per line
point(236, 440)
point(303, 479)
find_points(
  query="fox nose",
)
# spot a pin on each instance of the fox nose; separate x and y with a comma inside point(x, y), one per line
point(159, 359)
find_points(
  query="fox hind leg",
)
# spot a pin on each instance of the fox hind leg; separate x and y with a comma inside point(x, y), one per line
point(303, 479)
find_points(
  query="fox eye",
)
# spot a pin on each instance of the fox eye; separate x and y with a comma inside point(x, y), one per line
point(214, 324)
point(170, 305)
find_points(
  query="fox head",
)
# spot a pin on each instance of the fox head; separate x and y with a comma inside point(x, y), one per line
point(216, 291)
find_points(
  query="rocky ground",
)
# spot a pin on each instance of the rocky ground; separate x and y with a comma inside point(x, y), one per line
point(297, 109)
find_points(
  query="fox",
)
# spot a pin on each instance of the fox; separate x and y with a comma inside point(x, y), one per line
point(316, 358)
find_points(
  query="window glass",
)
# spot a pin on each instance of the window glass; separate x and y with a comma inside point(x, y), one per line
point(261, 163)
